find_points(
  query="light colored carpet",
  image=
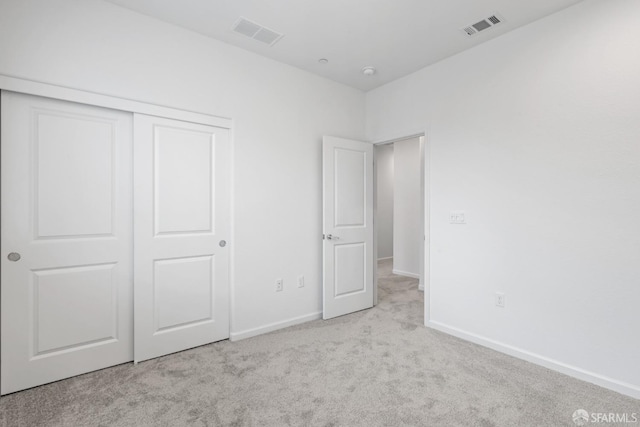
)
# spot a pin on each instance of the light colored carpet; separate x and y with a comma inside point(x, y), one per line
point(378, 367)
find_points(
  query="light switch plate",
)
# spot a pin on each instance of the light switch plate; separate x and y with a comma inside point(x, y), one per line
point(457, 217)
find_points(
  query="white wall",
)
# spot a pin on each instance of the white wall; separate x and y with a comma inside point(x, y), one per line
point(384, 200)
point(536, 136)
point(407, 208)
point(280, 114)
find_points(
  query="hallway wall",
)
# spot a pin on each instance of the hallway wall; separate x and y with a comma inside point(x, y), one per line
point(407, 208)
point(384, 199)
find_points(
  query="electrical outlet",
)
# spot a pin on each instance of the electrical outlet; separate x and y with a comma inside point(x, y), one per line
point(500, 299)
point(301, 281)
point(279, 285)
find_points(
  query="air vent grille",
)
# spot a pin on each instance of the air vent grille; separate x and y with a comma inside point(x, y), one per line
point(481, 25)
point(469, 30)
point(256, 31)
point(494, 20)
point(267, 36)
point(246, 28)
point(484, 24)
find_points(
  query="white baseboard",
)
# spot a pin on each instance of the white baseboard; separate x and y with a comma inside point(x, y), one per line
point(237, 336)
point(405, 273)
point(572, 371)
point(382, 259)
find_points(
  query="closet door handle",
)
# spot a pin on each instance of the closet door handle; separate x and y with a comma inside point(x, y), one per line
point(14, 256)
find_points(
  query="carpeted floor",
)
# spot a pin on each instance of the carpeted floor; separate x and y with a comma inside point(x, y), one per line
point(378, 367)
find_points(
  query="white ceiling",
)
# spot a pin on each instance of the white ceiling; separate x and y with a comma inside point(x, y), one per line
point(397, 37)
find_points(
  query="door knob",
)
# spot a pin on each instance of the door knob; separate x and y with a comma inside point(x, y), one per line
point(223, 243)
point(14, 256)
point(332, 237)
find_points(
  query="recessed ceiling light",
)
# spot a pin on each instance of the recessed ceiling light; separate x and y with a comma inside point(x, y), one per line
point(368, 71)
point(323, 60)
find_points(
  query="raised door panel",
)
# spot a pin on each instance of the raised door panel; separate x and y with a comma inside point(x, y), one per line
point(350, 275)
point(184, 291)
point(183, 180)
point(350, 188)
point(74, 174)
point(62, 297)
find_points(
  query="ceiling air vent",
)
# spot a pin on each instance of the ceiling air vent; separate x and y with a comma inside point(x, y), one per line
point(482, 25)
point(256, 31)
point(494, 20)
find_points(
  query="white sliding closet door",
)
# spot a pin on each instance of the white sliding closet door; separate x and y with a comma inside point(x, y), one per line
point(182, 222)
point(66, 240)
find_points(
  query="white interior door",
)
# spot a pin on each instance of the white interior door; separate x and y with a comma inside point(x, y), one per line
point(181, 227)
point(348, 226)
point(66, 240)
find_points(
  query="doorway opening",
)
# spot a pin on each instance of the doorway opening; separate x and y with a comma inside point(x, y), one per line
point(399, 216)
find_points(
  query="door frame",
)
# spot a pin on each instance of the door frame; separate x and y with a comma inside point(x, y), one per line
point(97, 99)
point(63, 93)
point(425, 270)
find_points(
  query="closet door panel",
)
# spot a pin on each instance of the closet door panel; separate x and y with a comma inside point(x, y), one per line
point(182, 225)
point(66, 240)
